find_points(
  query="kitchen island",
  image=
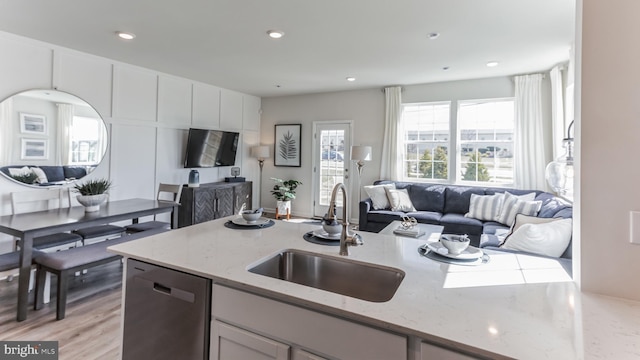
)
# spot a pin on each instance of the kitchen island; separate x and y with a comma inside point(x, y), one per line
point(515, 306)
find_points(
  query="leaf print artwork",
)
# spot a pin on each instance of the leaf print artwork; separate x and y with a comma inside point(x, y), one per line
point(288, 148)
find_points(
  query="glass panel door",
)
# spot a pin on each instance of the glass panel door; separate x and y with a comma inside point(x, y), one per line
point(332, 145)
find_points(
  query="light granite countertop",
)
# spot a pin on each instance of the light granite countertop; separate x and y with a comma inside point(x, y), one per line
point(515, 306)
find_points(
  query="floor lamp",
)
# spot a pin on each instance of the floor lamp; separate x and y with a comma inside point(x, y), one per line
point(260, 152)
point(360, 154)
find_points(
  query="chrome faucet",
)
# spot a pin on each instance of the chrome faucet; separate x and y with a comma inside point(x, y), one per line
point(346, 239)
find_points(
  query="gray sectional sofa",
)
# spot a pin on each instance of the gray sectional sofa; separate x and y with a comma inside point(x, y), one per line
point(446, 205)
point(55, 174)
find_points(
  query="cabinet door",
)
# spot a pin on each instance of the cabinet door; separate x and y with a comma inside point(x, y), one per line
point(231, 343)
point(224, 202)
point(429, 352)
point(303, 355)
point(243, 196)
point(203, 205)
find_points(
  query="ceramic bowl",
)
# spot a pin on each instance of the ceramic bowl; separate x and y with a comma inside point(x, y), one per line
point(456, 244)
point(332, 229)
point(250, 217)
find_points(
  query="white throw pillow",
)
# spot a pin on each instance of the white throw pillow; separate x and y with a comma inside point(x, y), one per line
point(549, 238)
point(513, 205)
point(485, 207)
point(42, 177)
point(20, 172)
point(399, 200)
point(378, 195)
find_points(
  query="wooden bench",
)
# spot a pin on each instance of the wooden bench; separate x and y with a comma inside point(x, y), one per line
point(67, 262)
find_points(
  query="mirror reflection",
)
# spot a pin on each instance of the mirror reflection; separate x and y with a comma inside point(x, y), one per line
point(49, 138)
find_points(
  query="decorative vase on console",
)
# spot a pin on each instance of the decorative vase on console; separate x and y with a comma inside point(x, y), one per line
point(93, 193)
point(194, 178)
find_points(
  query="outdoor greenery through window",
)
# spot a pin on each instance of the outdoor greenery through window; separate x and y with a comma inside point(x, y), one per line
point(483, 142)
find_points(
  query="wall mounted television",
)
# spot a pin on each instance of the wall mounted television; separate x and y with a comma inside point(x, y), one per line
point(210, 148)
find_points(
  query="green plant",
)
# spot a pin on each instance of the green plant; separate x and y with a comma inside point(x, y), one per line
point(93, 187)
point(285, 190)
point(436, 167)
point(29, 178)
point(476, 170)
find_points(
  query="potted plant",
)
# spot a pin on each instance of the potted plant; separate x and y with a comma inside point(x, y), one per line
point(93, 193)
point(284, 191)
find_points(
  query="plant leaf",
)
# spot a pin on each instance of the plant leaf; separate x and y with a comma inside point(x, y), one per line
point(287, 146)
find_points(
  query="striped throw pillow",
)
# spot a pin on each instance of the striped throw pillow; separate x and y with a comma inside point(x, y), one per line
point(512, 205)
point(485, 207)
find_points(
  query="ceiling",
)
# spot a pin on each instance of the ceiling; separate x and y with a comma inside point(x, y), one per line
point(379, 42)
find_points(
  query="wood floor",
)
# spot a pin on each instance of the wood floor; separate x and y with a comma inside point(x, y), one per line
point(91, 327)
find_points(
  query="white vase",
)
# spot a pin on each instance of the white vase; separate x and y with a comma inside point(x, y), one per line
point(283, 207)
point(91, 203)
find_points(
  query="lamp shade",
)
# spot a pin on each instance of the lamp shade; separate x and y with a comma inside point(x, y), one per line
point(361, 153)
point(260, 152)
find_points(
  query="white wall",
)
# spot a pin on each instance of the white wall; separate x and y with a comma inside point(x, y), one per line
point(147, 114)
point(608, 130)
point(366, 109)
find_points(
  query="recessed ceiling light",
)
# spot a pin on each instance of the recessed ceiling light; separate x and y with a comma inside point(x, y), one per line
point(434, 35)
point(125, 36)
point(275, 34)
point(492, 64)
point(351, 78)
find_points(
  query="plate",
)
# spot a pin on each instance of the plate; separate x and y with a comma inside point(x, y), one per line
point(325, 235)
point(242, 222)
point(469, 253)
point(425, 251)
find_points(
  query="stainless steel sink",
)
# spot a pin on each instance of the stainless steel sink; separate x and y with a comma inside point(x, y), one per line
point(364, 281)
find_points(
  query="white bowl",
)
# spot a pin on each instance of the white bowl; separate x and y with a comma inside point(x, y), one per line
point(332, 229)
point(250, 217)
point(456, 244)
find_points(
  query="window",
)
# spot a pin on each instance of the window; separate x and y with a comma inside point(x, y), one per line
point(426, 141)
point(486, 141)
point(87, 140)
point(483, 145)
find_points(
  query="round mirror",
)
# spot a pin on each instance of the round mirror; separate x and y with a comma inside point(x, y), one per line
point(49, 138)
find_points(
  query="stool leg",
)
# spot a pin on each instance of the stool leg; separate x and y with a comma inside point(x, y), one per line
point(62, 295)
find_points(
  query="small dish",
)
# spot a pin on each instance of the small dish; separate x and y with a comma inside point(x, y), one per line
point(325, 235)
point(242, 222)
point(468, 253)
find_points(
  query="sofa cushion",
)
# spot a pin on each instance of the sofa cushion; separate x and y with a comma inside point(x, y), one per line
point(485, 207)
point(457, 198)
point(74, 172)
point(550, 206)
point(513, 205)
point(458, 224)
point(399, 200)
point(42, 177)
point(491, 227)
point(426, 217)
point(543, 236)
point(427, 197)
point(378, 195)
point(54, 173)
point(385, 216)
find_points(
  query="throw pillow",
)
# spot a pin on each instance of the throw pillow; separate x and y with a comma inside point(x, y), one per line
point(399, 200)
point(19, 171)
point(548, 238)
point(378, 195)
point(42, 177)
point(485, 207)
point(513, 205)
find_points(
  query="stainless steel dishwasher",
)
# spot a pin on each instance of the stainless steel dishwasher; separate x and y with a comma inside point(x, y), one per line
point(166, 314)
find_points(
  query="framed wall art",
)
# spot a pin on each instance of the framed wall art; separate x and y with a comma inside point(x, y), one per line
point(33, 124)
point(35, 149)
point(287, 145)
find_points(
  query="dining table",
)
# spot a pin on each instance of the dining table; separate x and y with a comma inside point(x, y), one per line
point(27, 226)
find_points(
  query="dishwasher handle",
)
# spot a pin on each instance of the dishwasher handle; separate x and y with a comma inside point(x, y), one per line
point(166, 290)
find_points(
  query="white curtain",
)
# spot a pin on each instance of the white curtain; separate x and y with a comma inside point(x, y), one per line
point(557, 111)
point(529, 145)
point(65, 122)
point(7, 133)
point(391, 161)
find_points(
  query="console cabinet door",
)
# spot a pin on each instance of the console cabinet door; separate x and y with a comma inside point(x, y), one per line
point(224, 202)
point(203, 205)
point(243, 196)
point(232, 343)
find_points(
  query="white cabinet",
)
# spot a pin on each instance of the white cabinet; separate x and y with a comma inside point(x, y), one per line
point(307, 332)
point(231, 343)
point(298, 354)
